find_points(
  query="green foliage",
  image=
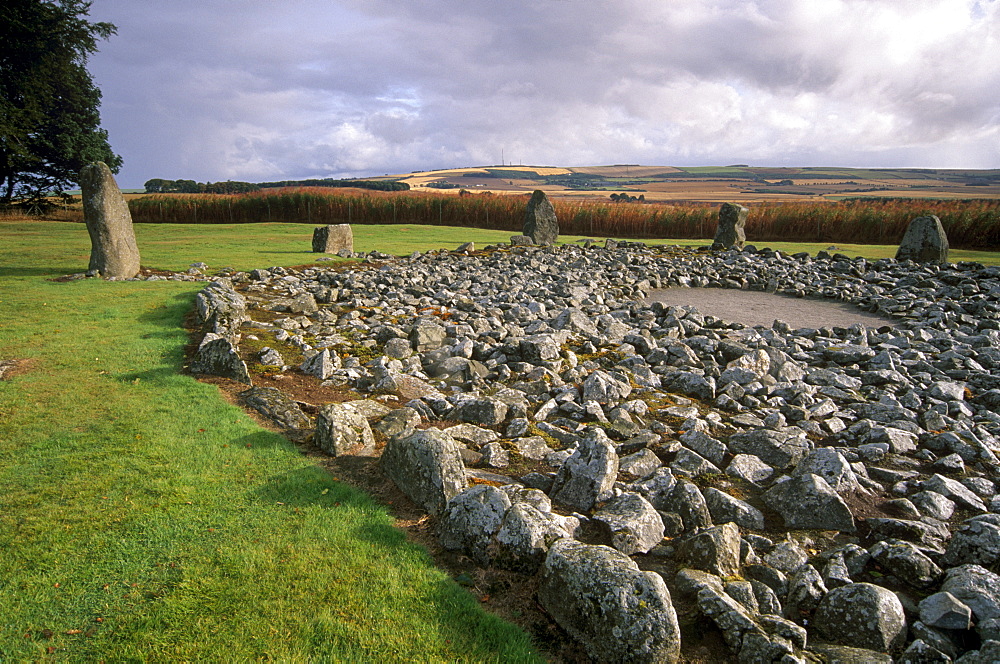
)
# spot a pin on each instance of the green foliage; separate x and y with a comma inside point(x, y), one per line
point(353, 347)
point(158, 186)
point(49, 119)
point(605, 358)
point(376, 185)
point(161, 186)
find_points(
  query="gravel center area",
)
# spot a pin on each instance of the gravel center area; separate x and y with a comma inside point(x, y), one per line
point(759, 308)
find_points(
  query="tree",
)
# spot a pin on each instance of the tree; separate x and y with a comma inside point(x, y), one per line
point(158, 185)
point(49, 118)
point(188, 187)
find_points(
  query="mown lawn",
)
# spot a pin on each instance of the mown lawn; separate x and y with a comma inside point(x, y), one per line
point(142, 517)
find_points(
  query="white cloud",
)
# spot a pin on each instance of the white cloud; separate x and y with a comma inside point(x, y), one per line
point(210, 90)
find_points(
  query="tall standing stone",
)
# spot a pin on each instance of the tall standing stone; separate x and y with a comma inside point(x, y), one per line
point(113, 254)
point(540, 223)
point(731, 232)
point(924, 242)
point(333, 238)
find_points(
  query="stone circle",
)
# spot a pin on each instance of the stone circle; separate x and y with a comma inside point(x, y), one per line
point(556, 357)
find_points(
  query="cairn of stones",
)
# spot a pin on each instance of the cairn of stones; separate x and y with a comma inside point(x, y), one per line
point(114, 253)
point(540, 222)
point(731, 231)
point(333, 239)
point(818, 494)
point(924, 241)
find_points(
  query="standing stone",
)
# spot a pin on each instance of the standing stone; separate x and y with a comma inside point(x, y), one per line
point(113, 254)
point(731, 233)
point(540, 222)
point(333, 238)
point(924, 241)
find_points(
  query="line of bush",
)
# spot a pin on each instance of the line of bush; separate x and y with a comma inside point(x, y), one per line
point(376, 185)
point(971, 223)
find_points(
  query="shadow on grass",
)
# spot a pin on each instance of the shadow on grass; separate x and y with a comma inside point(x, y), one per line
point(467, 627)
point(150, 376)
point(40, 271)
point(381, 535)
point(263, 439)
point(451, 608)
point(313, 486)
point(171, 313)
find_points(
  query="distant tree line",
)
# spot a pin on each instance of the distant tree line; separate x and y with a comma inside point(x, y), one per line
point(627, 198)
point(160, 186)
point(379, 185)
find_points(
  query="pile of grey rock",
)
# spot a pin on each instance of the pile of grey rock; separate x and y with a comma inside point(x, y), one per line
point(824, 492)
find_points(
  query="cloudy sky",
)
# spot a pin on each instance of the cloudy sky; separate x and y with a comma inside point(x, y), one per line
point(266, 89)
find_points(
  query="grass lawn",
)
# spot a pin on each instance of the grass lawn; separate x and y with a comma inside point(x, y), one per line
point(144, 518)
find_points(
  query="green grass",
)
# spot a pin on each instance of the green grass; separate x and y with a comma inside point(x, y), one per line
point(875, 251)
point(144, 518)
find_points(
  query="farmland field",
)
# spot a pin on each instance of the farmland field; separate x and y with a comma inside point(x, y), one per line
point(739, 184)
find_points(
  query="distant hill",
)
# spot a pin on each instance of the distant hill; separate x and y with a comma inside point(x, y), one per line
point(712, 183)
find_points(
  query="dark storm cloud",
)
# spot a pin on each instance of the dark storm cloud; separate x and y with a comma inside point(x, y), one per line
point(266, 90)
